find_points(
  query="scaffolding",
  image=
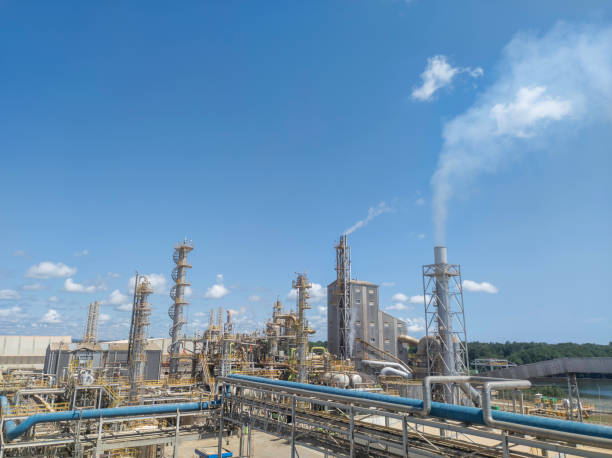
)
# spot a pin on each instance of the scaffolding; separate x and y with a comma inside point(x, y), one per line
point(343, 293)
point(177, 293)
point(445, 329)
point(91, 329)
point(141, 311)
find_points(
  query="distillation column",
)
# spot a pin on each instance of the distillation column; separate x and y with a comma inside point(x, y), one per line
point(302, 285)
point(343, 294)
point(91, 330)
point(177, 293)
point(138, 335)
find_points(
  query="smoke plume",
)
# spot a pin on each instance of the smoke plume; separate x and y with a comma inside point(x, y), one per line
point(547, 86)
point(373, 212)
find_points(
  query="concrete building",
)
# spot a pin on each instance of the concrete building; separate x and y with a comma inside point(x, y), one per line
point(368, 323)
point(26, 352)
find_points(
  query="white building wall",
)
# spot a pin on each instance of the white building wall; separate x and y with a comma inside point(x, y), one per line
point(26, 352)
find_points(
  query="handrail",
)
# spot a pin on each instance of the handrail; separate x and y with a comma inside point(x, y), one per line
point(570, 431)
point(13, 431)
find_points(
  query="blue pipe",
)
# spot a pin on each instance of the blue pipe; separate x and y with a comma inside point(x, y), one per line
point(13, 431)
point(447, 411)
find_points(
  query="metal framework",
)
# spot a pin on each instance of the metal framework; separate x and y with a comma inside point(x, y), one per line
point(343, 293)
point(138, 335)
point(177, 293)
point(445, 329)
point(91, 330)
point(345, 426)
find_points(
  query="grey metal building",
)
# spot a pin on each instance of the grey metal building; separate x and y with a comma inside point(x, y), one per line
point(368, 323)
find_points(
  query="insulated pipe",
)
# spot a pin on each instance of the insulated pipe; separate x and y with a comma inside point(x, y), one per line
point(525, 429)
point(392, 371)
point(398, 366)
point(13, 431)
point(408, 340)
point(575, 431)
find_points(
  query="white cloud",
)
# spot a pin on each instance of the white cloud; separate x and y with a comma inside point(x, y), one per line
point(419, 299)
point(482, 287)
point(53, 299)
point(121, 301)
point(549, 87)
point(51, 317)
point(420, 236)
point(104, 317)
point(188, 291)
point(47, 269)
point(398, 306)
point(9, 312)
point(530, 108)
point(373, 212)
point(400, 298)
point(72, 287)
point(254, 298)
point(437, 74)
point(116, 297)
point(113, 274)
point(420, 201)
point(20, 253)
point(8, 294)
point(81, 253)
point(158, 283)
point(415, 325)
point(218, 290)
point(33, 287)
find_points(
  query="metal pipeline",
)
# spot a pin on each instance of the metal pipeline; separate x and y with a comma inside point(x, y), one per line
point(377, 363)
point(571, 431)
point(13, 431)
point(396, 372)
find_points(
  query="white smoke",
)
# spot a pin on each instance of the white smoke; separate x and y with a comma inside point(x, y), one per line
point(548, 86)
point(373, 212)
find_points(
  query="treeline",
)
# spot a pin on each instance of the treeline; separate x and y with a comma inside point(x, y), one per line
point(533, 352)
point(524, 352)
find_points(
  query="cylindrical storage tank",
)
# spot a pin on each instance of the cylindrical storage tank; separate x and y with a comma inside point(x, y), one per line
point(355, 380)
point(326, 378)
point(340, 380)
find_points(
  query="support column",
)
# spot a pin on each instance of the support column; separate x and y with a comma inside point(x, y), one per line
point(352, 431)
point(176, 434)
point(404, 436)
point(292, 426)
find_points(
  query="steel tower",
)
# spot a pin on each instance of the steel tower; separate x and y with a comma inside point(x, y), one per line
point(177, 293)
point(343, 293)
point(141, 311)
point(91, 330)
point(444, 320)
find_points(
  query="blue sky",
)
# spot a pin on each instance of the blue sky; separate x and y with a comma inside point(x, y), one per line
point(263, 132)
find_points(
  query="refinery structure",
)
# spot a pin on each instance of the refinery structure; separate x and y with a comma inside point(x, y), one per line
point(374, 390)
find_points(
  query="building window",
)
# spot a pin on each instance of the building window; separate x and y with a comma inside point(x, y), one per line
point(387, 341)
point(372, 323)
point(358, 301)
point(386, 324)
point(371, 291)
point(357, 323)
point(371, 302)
